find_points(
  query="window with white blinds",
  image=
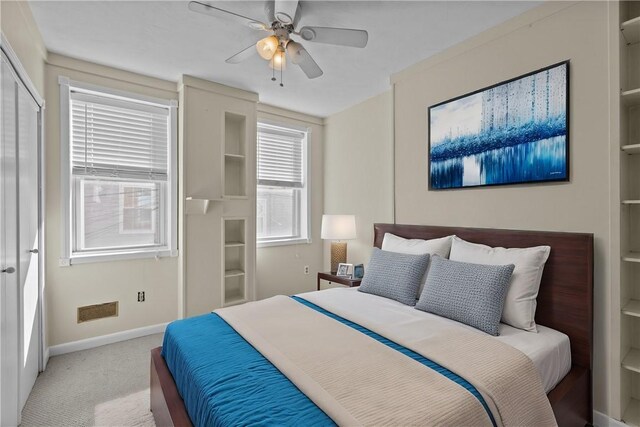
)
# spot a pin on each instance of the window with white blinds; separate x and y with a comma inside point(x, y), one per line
point(280, 156)
point(117, 138)
point(282, 202)
point(121, 165)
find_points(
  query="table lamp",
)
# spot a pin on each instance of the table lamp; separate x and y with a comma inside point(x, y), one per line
point(337, 228)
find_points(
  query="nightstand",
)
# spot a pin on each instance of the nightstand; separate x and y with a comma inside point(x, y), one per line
point(329, 277)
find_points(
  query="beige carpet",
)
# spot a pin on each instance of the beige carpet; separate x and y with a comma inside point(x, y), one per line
point(104, 386)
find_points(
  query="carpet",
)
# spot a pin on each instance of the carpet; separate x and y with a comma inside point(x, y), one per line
point(103, 386)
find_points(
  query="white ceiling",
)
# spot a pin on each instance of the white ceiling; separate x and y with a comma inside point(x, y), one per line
point(164, 39)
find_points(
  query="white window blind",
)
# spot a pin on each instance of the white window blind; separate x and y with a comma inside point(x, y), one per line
point(115, 138)
point(280, 156)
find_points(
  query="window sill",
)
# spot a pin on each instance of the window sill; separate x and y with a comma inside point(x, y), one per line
point(287, 242)
point(117, 256)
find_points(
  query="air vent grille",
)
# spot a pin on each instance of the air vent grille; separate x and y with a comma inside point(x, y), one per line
point(97, 311)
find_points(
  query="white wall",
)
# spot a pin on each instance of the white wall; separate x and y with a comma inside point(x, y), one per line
point(543, 36)
point(358, 174)
point(280, 269)
point(94, 283)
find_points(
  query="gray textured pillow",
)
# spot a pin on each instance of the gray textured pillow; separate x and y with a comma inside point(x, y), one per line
point(473, 294)
point(394, 275)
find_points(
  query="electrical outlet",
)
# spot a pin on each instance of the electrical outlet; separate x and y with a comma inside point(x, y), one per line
point(306, 269)
point(141, 296)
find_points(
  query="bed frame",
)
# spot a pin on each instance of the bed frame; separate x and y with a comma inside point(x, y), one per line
point(565, 303)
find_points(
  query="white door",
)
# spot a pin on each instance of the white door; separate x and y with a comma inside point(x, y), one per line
point(9, 351)
point(19, 264)
point(28, 113)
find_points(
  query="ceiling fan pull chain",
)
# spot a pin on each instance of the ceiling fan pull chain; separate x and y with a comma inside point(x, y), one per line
point(281, 84)
point(273, 74)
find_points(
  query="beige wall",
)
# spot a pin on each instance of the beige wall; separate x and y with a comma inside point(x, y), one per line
point(544, 36)
point(358, 175)
point(18, 26)
point(280, 269)
point(83, 284)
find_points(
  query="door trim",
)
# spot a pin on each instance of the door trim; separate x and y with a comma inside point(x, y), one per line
point(20, 70)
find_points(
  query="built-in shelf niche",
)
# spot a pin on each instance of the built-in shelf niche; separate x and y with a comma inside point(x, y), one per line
point(631, 30)
point(234, 290)
point(632, 413)
point(234, 155)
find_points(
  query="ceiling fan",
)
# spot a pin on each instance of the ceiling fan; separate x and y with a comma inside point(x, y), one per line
point(278, 47)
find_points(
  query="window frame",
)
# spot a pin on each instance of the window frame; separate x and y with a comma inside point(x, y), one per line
point(68, 211)
point(305, 191)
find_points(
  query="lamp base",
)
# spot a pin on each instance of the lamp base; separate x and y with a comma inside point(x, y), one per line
point(338, 255)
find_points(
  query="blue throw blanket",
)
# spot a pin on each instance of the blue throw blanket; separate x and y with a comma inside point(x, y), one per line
point(224, 381)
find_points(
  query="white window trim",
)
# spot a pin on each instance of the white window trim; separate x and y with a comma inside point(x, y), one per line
point(305, 213)
point(171, 249)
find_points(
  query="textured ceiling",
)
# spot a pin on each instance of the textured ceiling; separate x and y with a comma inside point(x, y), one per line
point(164, 39)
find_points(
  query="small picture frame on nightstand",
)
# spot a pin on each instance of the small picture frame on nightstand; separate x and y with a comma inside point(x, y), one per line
point(345, 270)
point(358, 271)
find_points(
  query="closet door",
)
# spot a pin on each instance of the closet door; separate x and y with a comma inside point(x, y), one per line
point(28, 112)
point(9, 300)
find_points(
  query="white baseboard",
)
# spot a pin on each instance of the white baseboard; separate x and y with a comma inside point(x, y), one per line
point(85, 344)
point(602, 420)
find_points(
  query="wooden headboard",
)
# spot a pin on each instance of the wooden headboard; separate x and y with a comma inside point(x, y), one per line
point(565, 299)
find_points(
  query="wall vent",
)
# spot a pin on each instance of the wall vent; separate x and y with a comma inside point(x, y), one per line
point(97, 311)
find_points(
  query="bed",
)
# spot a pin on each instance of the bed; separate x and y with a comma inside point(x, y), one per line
point(562, 355)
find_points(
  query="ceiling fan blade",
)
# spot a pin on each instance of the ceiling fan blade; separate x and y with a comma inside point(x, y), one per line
point(208, 9)
point(309, 66)
point(244, 54)
point(301, 57)
point(337, 36)
point(285, 11)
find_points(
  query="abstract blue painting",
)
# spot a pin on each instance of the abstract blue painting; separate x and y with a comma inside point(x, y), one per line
point(512, 133)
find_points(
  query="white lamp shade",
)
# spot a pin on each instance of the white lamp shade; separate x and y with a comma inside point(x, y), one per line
point(338, 227)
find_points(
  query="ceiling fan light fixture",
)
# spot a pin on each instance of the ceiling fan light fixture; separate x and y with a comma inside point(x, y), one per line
point(279, 60)
point(267, 47)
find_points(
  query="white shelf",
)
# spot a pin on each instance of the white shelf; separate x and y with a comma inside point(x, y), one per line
point(233, 273)
point(198, 205)
point(631, 97)
point(631, 148)
point(234, 300)
point(631, 30)
point(632, 413)
point(632, 308)
point(631, 257)
point(226, 197)
point(631, 202)
point(632, 361)
point(233, 244)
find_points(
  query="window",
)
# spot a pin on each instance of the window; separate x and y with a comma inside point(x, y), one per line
point(282, 199)
point(119, 174)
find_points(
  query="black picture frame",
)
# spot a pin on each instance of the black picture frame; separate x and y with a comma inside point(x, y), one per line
point(567, 175)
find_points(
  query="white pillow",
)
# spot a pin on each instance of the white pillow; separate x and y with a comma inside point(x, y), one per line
point(441, 247)
point(520, 306)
